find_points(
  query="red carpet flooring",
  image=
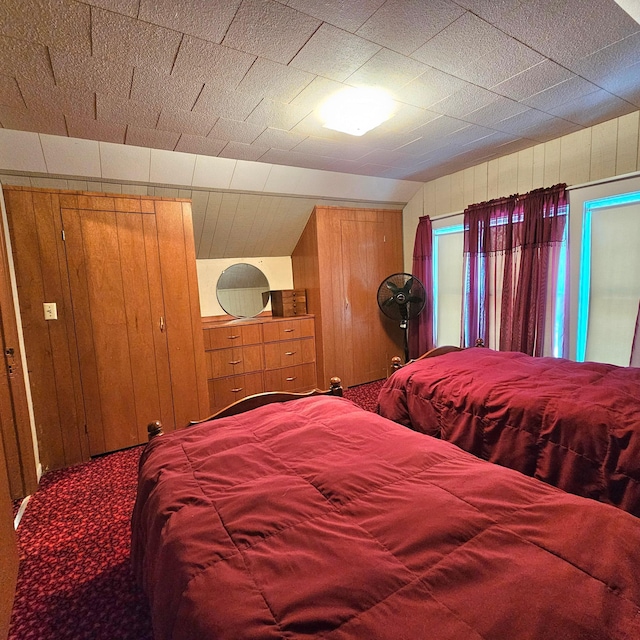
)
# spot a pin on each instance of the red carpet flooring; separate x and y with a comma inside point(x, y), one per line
point(75, 581)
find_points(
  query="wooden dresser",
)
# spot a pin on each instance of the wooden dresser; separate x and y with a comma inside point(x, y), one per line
point(259, 354)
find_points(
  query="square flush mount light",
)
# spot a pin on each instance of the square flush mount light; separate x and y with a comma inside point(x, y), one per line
point(357, 110)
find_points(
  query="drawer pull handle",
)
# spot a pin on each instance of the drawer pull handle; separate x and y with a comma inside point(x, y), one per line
point(233, 337)
point(236, 390)
point(235, 362)
point(291, 379)
point(290, 353)
point(289, 330)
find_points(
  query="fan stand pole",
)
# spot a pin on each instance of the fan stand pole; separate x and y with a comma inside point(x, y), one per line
point(404, 327)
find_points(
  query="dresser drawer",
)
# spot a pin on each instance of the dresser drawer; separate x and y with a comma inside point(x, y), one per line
point(225, 391)
point(289, 329)
point(232, 335)
point(231, 362)
point(288, 302)
point(301, 377)
point(289, 352)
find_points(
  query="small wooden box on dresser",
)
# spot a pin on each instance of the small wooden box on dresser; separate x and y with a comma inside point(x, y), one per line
point(259, 354)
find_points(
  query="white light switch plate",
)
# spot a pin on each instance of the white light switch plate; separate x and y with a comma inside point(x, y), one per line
point(50, 311)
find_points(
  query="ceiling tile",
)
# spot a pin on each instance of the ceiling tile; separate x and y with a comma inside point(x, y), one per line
point(524, 124)
point(205, 19)
point(250, 176)
point(10, 95)
point(122, 162)
point(625, 84)
point(541, 76)
point(153, 138)
point(125, 7)
point(216, 103)
point(499, 109)
point(21, 151)
point(269, 30)
point(200, 145)
point(279, 139)
point(276, 115)
point(241, 151)
point(126, 111)
point(593, 108)
point(348, 53)
point(29, 60)
point(429, 88)
point(132, 42)
point(268, 79)
point(387, 158)
point(545, 27)
point(388, 70)
point(42, 96)
point(158, 89)
point(189, 122)
point(328, 148)
point(49, 121)
point(619, 55)
point(215, 173)
point(465, 100)
point(168, 167)
point(566, 91)
point(405, 26)
point(91, 129)
point(90, 73)
point(70, 156)
point(316, 92)
point(64, 23)
point(236, 131)
point(345, 15)
point(209, 62)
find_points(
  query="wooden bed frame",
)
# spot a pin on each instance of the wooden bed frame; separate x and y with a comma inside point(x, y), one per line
point(396, 361)
point(154, 428)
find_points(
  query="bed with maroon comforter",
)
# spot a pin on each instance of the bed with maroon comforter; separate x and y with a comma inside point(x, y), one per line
point(316, 519)
point(575, 425)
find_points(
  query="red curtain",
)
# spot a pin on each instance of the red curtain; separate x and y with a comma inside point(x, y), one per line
point(512, 252)
point(421, 328)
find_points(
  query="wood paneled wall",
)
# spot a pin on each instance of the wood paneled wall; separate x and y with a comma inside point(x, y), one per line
point(608, 149)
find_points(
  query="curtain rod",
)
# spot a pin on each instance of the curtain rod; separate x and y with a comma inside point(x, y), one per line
point(624, 176)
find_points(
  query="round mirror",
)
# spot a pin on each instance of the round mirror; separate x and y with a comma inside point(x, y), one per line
point(242, 290)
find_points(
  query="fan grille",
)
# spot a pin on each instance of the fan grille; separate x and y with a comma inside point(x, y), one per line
point(401, 296)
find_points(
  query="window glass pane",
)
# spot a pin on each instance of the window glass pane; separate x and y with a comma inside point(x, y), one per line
point(615, 283)
point(448, 286)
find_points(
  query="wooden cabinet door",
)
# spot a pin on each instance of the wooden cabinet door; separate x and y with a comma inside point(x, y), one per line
point(114, 280)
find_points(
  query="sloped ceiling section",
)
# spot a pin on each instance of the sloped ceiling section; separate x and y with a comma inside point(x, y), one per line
point(243, 79)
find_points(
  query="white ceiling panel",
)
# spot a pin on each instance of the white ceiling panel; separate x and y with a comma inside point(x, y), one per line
point(171, 168)
point(21, 151)
point(154, 138)
point(250, 176)
point(71, 156)
point(214, 173)
point(241, 151)
point(345, 15)
point(121, 162)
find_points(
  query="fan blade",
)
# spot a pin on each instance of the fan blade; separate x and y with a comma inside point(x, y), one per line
point(407, 286)
point(414, 299)
point(392, 287)
point(388, 302)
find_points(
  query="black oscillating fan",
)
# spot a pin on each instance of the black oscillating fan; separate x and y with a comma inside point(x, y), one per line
point(401, 297)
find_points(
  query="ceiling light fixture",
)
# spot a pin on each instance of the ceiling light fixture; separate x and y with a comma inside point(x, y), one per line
point(357, 110)
point(632, 7)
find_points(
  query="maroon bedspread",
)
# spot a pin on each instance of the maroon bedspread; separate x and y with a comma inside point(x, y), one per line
point(315, 519)
point(573, 425)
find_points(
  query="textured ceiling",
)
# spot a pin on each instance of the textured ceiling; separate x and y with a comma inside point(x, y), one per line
point(242, 79)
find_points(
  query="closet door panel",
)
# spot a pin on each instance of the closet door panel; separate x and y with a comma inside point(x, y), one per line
point(101, 326)
point(140, 323)
point(184, 333)
point(156, 305)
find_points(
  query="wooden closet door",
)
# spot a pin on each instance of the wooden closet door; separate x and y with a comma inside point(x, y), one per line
point(371, 339)
point(115, 289)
